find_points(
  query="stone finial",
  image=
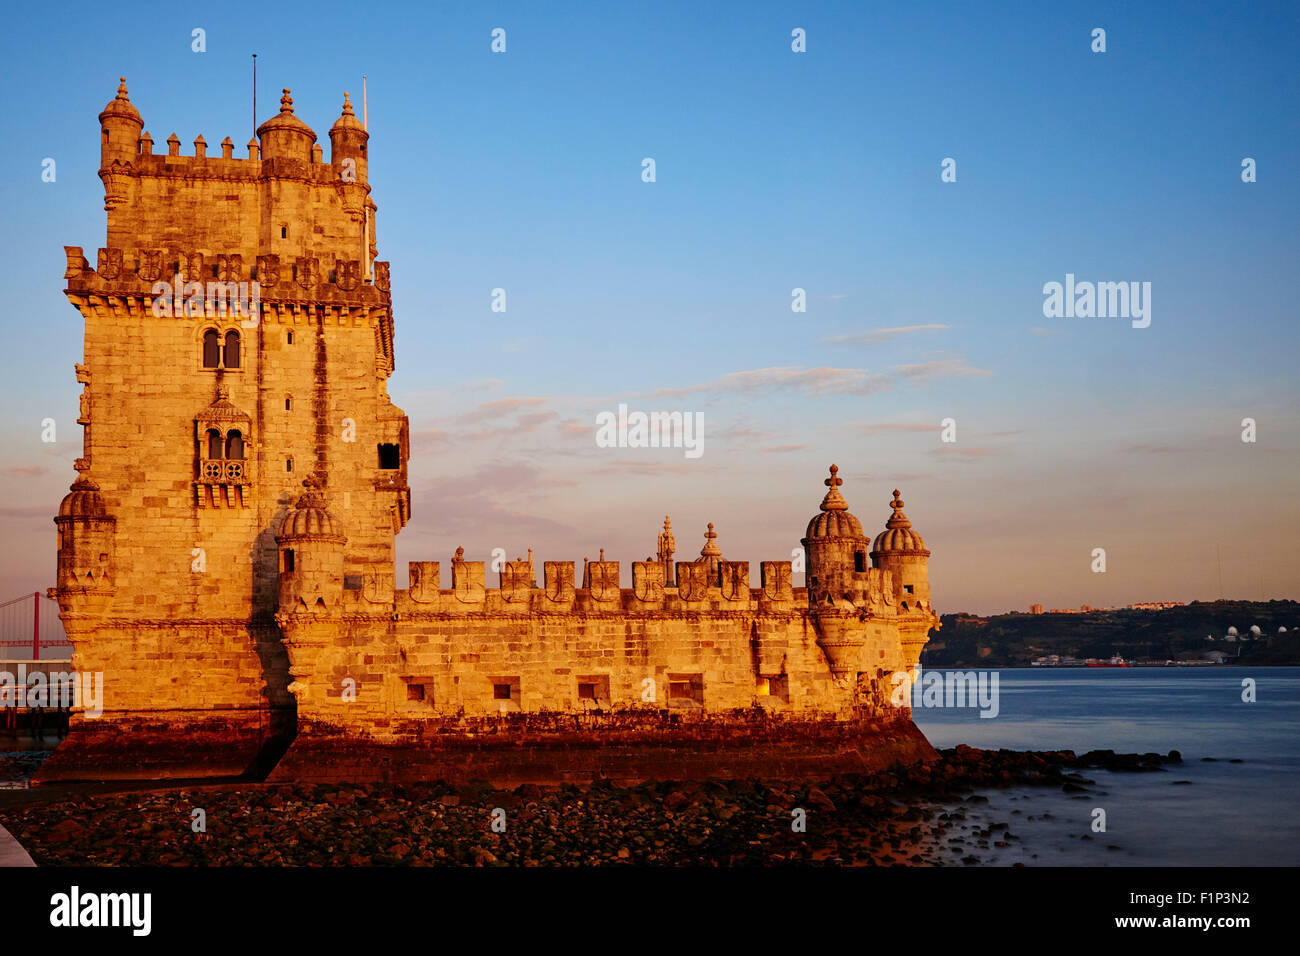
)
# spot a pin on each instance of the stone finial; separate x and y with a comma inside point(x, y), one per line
point(227, 148)
point(347, 105)
point(173, 145)
point(312, 495)
point(834, 501)
point(897, 519)
point(200, 147)
point(460, 555)
point(667, 544)
point(121, 91)
point(223, 395)
point(286, 102)
point(710, 549)
point(253, 147)
point(146, 144)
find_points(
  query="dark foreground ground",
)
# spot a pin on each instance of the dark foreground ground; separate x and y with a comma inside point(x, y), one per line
point(924, 815)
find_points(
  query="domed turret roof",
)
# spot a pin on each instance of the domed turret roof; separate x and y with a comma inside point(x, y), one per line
point(285, 120)
point(83, 500)
point(348, 120)
point(121, 106)
point(898, 534)
point(834, 521)
point(710, 554)
point(309, 518)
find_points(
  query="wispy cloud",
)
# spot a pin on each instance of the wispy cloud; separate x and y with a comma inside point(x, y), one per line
point(877, 336)
point(1152, 448)
point(825, 380)
point(25, 471)
point(523, 425)
point(502, 407)
point(627, 467)
point(939, 368)
point(813, 381)
point(887, 428)
point(958, 452)
point(781, 449)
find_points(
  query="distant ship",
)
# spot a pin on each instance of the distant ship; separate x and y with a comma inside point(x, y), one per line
point(1115, 661)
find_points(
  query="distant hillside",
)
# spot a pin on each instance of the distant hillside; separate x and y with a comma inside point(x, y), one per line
point(1014, 640)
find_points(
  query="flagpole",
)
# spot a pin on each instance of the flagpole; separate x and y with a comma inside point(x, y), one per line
point(365, 220)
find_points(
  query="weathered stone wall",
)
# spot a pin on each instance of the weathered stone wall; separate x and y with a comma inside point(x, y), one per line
point(379, 666)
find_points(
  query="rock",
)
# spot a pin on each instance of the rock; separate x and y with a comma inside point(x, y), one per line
point(675, 800)
point(819, 800)
point(66, 830)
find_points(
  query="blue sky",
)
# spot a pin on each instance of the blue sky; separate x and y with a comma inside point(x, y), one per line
point(775, 170)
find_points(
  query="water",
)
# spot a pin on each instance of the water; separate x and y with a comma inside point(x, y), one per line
point(1229, 814)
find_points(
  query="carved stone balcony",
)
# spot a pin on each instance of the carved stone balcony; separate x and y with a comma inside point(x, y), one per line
point(214, 471)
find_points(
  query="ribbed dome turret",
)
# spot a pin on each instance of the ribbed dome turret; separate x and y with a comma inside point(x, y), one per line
point(309, 518)
point(83, 500)
point(898, 534)
point(348, 119)
point(284, 135)
point(710, 554)
point(121, 106)
point(834, 521)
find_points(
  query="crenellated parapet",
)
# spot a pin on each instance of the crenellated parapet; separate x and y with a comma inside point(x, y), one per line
point(125, 271)
point(285, 148)
point(601, 593)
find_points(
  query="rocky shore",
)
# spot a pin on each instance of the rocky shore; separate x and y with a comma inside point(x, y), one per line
point(922, 815)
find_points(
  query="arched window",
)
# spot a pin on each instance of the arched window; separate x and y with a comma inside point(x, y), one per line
point(211, 349)
point(232, 350)
point(214, 444)
point(235, 446)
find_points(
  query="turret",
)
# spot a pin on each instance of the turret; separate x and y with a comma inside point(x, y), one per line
point(119, 129)
point(348, 141)
point(284, 136)
point(119, 144)
point(711, 555)
point(311, 555)
point(836, 548)
point(902, 552)
point(87, 533)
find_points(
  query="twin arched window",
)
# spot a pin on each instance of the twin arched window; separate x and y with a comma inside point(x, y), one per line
point(233, 448)
point(219, 352)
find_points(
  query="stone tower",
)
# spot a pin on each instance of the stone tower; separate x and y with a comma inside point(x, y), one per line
point(238, 337)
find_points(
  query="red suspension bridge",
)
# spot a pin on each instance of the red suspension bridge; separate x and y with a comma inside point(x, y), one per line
point(30, 626)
